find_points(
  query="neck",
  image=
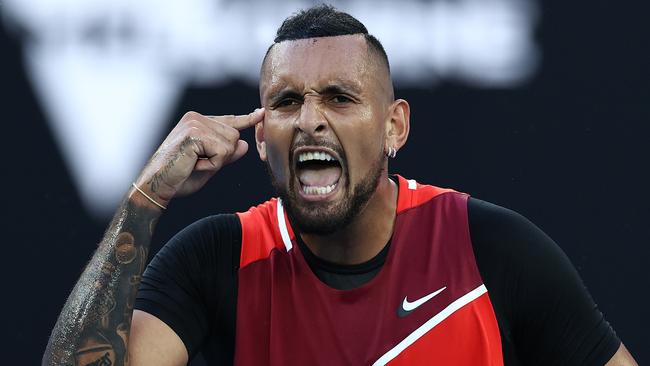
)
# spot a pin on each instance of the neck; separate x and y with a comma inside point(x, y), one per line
point(366, 235)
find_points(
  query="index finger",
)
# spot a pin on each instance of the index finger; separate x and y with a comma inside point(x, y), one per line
point(243, 121)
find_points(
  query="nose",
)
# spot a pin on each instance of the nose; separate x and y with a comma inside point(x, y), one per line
point(311, 119)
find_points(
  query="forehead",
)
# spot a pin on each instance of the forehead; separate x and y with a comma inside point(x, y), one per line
point(311, 62)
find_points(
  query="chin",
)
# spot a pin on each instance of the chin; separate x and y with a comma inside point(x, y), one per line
point(317, 218)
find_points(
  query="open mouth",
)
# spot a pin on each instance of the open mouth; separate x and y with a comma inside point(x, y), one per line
point(318, 171)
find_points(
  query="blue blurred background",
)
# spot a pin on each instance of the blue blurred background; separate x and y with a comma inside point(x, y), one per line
point(540, 107)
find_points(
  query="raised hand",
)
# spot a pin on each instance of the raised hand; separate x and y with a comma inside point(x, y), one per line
point(193, 152)
point(97, 315)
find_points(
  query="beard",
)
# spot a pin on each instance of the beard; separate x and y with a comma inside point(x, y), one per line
point(326, 218)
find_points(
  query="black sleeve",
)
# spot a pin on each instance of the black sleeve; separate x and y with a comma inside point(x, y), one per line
point(190, 283)
point(545, 313)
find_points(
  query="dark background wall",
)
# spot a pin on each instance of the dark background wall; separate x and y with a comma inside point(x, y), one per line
point(569, 150)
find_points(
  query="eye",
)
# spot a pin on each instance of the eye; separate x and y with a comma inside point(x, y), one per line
point(286, 103)
point(340, 99)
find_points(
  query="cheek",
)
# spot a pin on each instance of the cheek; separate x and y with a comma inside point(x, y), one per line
point(362, 140)
point(277, 135)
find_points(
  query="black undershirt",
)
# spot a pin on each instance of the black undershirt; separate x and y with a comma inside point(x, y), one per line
point(339, 276)
point(545, 314)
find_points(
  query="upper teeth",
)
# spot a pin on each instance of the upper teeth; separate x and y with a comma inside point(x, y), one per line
point(315, 156)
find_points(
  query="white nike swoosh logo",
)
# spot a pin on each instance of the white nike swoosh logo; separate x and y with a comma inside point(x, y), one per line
point(408, 306)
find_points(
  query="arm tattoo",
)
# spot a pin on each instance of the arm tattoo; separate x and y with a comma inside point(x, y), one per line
point(157, 180)
point(94, 325)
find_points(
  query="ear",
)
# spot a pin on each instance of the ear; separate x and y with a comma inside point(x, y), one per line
point(398, 125)
point(259, 140)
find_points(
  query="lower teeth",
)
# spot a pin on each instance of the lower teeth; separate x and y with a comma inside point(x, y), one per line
point(318, 190)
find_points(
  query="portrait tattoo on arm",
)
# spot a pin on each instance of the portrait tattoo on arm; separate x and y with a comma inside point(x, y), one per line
point(94, 325)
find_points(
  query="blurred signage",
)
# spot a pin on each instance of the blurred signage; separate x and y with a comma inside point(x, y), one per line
point(108, 73)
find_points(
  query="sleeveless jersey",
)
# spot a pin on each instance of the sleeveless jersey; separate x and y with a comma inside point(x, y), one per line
point(427, 305)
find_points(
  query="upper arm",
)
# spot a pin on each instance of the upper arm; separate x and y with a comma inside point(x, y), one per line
point(550, 316)
point(187, 291)
point(152, 342)
point(622, 358)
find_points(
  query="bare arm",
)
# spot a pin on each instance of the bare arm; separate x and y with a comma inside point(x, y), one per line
point(153, 342)
point(94, 327)
point(622, 357)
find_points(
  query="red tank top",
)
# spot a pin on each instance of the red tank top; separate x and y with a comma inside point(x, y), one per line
point(427, 305)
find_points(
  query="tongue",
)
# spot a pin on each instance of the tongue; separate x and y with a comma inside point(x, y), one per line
point(321, 177)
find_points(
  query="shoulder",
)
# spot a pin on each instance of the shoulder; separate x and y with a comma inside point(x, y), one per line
point(413, 194)
point(492, 219)
point(541, 302)
point(207, 243)
point(263, 228)
point(506, 233)
point(204, 233)
point(508, 247)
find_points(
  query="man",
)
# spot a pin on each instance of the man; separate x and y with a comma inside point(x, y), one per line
point(349, 266)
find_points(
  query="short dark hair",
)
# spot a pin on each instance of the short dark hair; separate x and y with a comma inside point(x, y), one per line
point(325, 21)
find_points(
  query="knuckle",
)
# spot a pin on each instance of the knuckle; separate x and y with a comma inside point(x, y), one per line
point(190, 115)
point(227, 149)
point(226, 132)
point(188, 134)
point(232, 133)
point(192, 125)
point(193, 129)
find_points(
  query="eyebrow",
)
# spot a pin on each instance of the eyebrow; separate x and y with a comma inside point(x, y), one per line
point(331, 89)
point(339, 89)
point(284, 94)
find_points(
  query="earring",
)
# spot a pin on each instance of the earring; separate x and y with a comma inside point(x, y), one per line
point(392, 152)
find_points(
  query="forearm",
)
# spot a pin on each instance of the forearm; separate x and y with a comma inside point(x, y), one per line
point(94, 325)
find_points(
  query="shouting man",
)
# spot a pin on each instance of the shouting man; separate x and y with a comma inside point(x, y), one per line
point(349, 266)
